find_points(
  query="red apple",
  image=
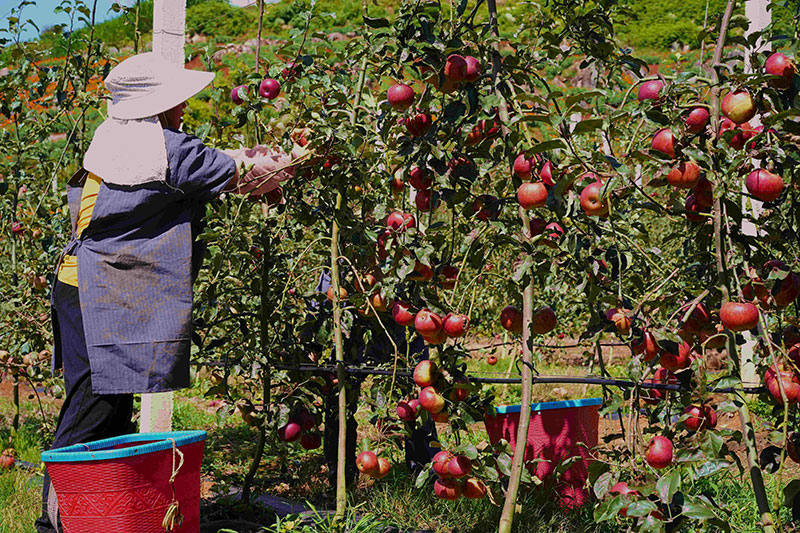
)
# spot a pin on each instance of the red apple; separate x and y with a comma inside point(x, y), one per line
point(459, 466)
point(400, 222)
point(531, 195)
point(491, 360)
point(475, 489)
point(447, 489)
point(400, 96)
point(692, 209)
point(659, 452)
point(700, 417)
point(459, 391)
point(455, 68)
point(342, 293)
point(440, 462)
point(793, 446)
point(421, 272)
point(367, 463)
point(456, 325)
point(738, 106)
point(523, 166)
point(591, 203)
point(685, 175)
point(787, 378)
point(511, 319)
point(473, 69)
point(674, 356)
point(437, 338)
point(441, 417)
point(419, 179)
point(546, 173)
point(738, 316)
point(646, 344)
point(704, 193)
point(304, 418)
point(269, 88)
point(697, 120)
point(236, 93)
point(7, 459)
point(544, 320)
point(697, 319)
point(448, 277)
point(418, 125)
point(408, 411)
point(486, 207)
point(664, 142)
point(310, 441)
point(764, 185)
point(660, 376)
point(620, 319)
point(401, 312)
point(425, 373)
point(290, 432)
point(779, 65)
point(785, 291)
point(431, 400)
point(649, 90)
point(426, 200)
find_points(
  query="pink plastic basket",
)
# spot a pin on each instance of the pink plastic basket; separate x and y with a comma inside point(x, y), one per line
point(122, 485)
point(554, 434)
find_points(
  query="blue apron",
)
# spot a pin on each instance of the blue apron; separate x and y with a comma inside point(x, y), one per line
point(137, 260)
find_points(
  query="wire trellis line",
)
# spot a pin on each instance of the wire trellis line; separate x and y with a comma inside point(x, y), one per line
point(539, 379)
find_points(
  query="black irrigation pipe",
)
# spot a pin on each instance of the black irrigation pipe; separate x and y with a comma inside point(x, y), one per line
point(623, 383)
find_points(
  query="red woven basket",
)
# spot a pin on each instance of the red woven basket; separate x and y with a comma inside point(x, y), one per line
point(556, 432)
point(122, 485)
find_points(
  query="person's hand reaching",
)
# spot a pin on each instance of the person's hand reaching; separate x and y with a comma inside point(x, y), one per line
point(261, 169)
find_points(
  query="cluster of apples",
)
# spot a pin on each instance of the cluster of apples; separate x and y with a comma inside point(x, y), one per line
point(430, 381)
point(300, 427)
point(370, 464)
point(429, 325)
point(454, 481)
point(269, 89)
point(543, 320)
point(738, 108)
point(533, 194)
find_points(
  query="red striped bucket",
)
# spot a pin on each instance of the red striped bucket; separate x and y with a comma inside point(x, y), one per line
point(129, 484)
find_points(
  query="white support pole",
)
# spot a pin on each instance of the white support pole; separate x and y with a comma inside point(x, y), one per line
point(759, 17)
point(169, 29)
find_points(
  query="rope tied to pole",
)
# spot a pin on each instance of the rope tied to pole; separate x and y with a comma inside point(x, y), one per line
point(173, 518)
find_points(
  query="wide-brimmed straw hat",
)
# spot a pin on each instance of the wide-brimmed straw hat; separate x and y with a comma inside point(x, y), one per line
point(129, 147)
point(145, 85)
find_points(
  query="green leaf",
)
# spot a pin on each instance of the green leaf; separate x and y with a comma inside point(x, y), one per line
point(641, 508)
point(668, 485)
point(547, 146)
point(376, 22)
point(588, 125)
point(698, 510)
point(602, 485)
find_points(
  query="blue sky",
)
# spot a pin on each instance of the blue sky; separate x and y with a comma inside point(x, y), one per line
point(42, 13)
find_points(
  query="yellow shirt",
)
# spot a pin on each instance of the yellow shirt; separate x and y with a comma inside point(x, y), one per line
point(68, 272)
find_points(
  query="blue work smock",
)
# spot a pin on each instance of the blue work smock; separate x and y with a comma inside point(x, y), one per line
point(137, 260)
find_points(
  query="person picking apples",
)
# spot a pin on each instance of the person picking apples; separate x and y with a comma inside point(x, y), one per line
point(122, 297)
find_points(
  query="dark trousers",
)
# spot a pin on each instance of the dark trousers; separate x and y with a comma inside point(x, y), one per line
point(418, 451)
point(85, 416)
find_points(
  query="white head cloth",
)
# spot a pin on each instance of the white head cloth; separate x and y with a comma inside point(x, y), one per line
point(128, 148)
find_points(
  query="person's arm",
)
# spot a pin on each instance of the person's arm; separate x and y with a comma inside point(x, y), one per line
point(198, 171)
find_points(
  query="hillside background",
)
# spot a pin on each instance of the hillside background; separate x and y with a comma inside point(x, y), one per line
point(651, 25)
